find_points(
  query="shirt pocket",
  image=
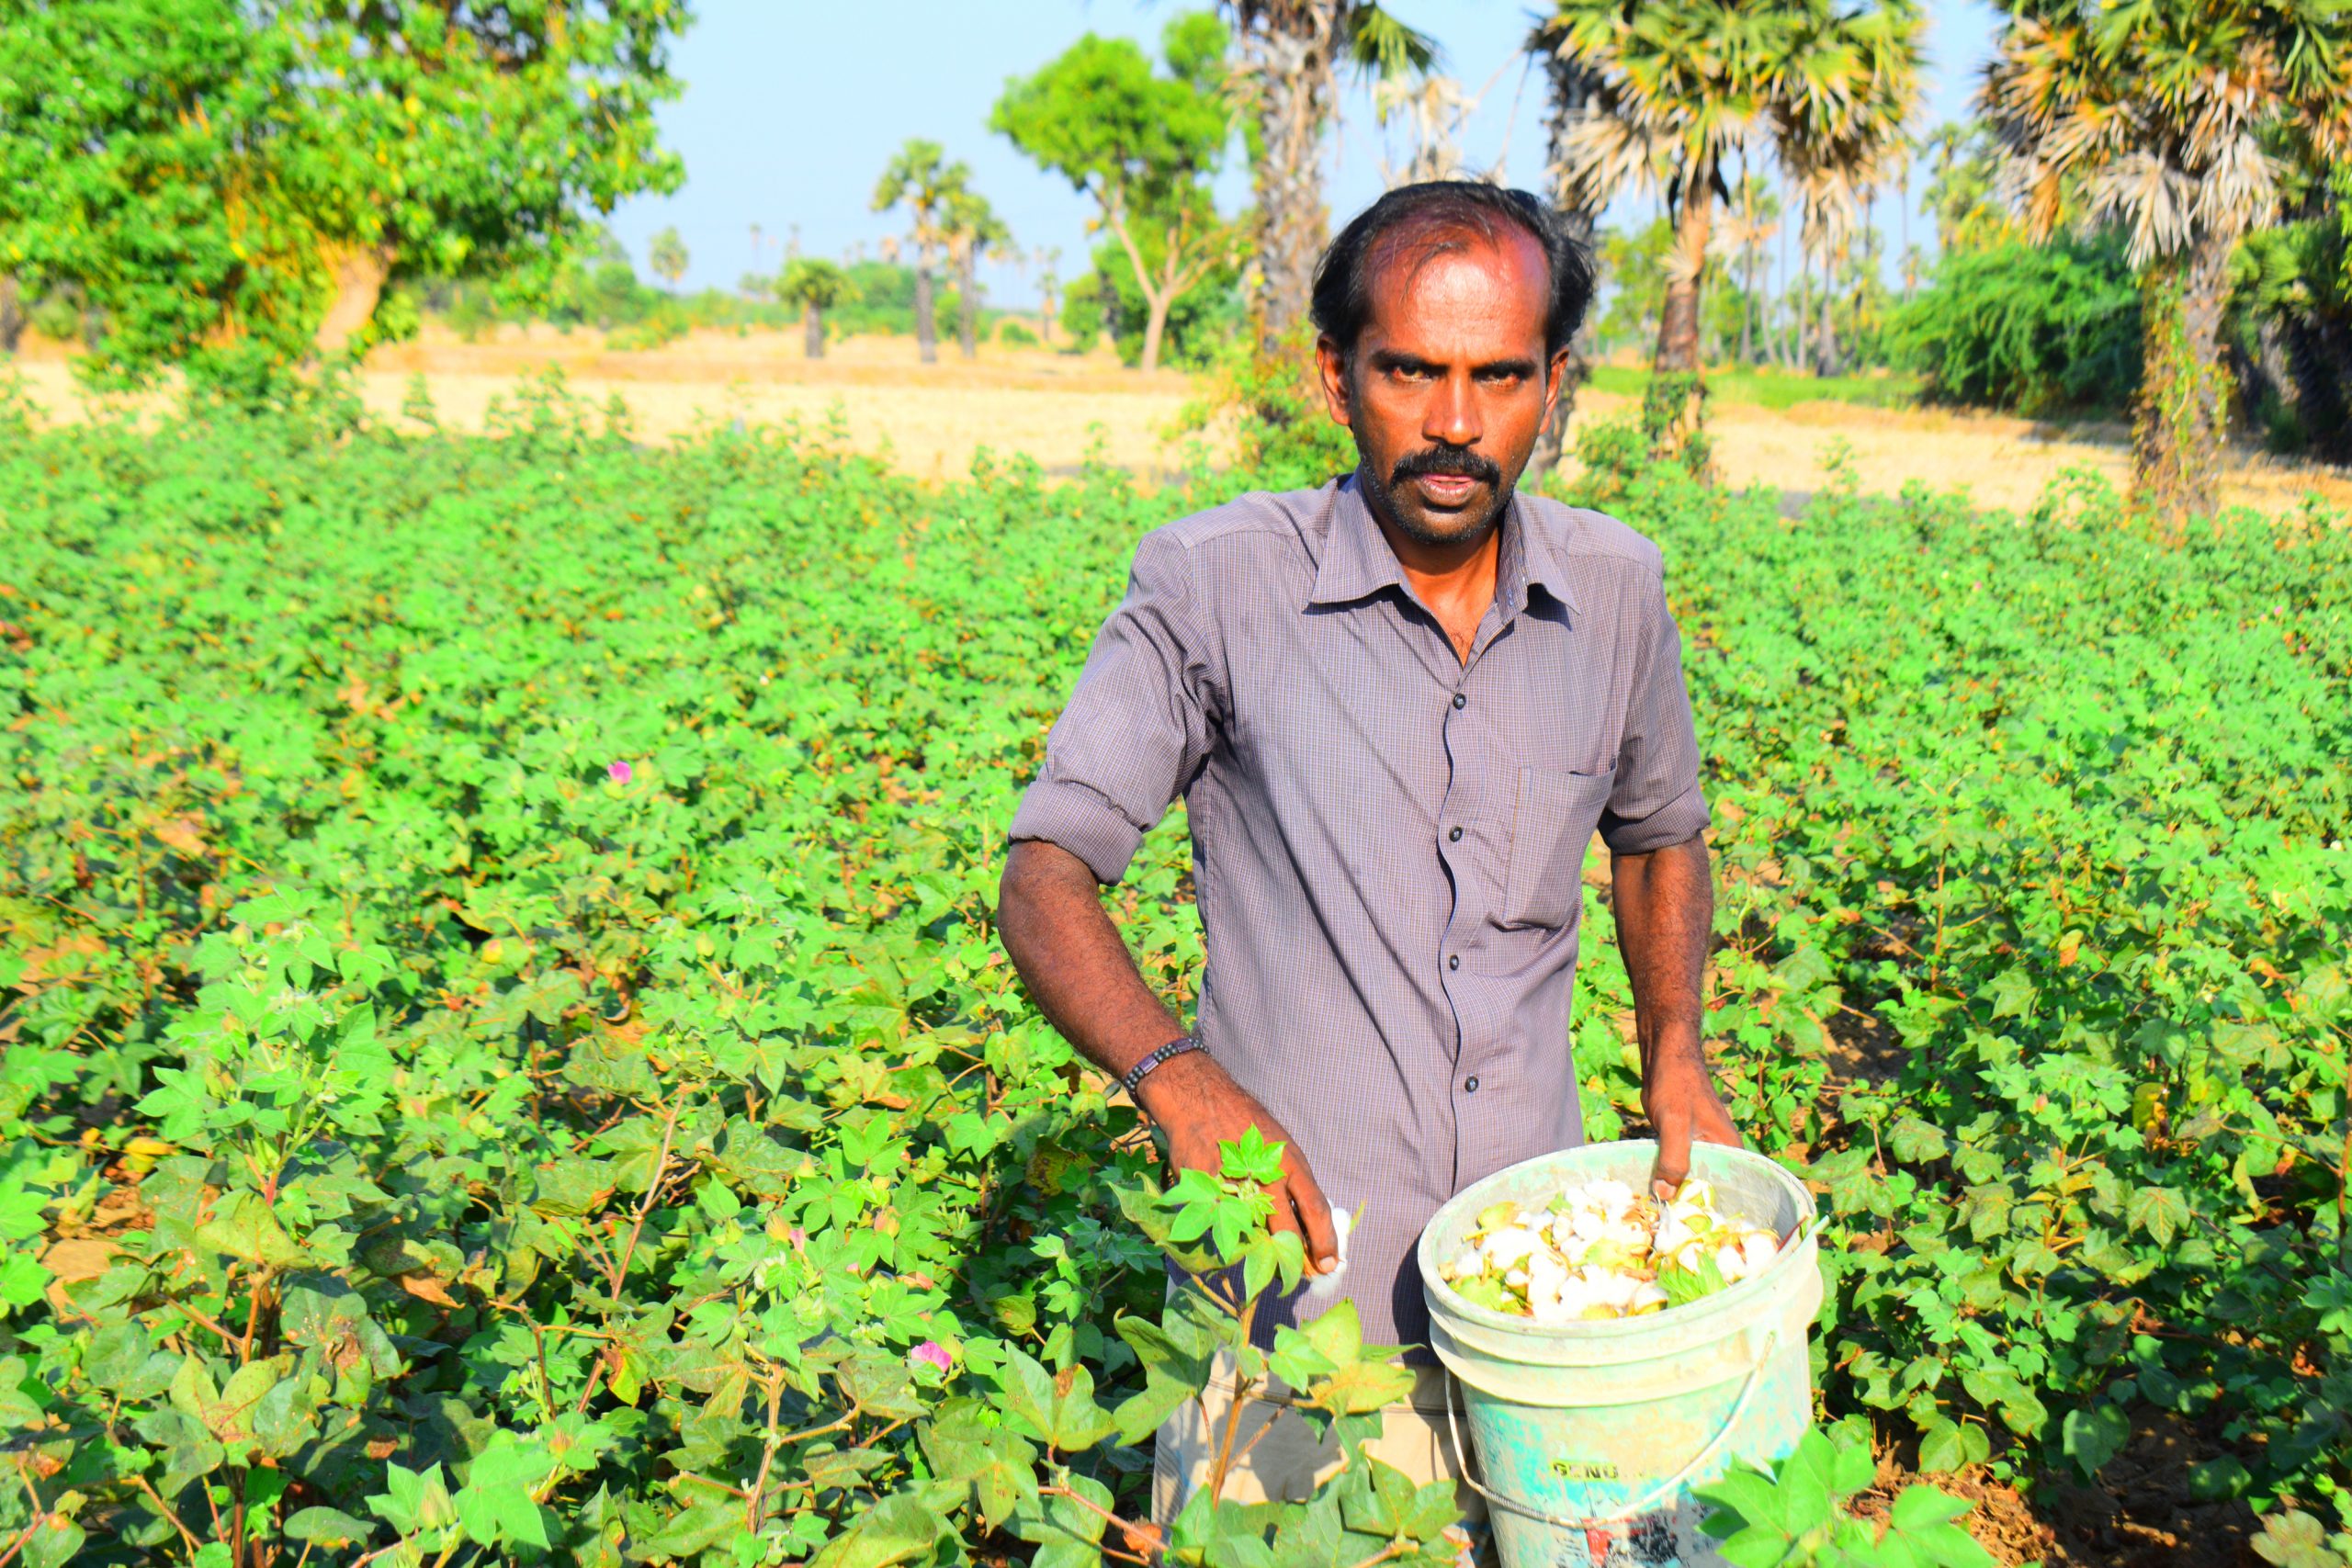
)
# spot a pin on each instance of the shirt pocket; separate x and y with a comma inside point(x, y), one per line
point(1554, 821)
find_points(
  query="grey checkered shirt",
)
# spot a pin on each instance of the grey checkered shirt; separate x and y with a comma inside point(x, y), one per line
point(1387, 840)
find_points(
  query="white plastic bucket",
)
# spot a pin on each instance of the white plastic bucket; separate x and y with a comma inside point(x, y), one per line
point(1589, 1436)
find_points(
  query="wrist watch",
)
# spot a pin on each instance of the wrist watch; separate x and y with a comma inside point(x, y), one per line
point(1175, 1047)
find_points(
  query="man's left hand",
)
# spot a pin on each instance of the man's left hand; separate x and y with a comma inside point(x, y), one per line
point(1680, 1100)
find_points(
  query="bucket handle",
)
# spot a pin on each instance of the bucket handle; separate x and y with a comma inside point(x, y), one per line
point(1649, 1500)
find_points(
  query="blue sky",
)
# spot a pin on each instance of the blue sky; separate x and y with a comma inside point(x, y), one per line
point(791, 109)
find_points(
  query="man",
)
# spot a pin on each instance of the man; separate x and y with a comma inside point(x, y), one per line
point(1397, 708)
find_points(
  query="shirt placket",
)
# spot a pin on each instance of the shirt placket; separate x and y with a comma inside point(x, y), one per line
point(1476, 1015)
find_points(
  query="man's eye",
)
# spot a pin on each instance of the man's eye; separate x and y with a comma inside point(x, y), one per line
point(1499, 378)
point(1412, 372)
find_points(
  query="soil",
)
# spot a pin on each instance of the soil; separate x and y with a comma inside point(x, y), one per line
point(2140, 1513)
point(1057, 407)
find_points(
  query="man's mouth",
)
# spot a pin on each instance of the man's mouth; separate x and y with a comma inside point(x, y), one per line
point(1448, 490)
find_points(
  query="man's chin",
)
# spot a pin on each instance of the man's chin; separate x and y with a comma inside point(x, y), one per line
point(1456, 525)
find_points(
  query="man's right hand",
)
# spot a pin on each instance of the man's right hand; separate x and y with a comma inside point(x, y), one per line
point(1196, 1103)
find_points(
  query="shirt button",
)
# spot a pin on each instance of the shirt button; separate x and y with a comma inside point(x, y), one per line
point(1453, 961)
point(1470, 1084)
point(1460, 701)
point(1455, 837)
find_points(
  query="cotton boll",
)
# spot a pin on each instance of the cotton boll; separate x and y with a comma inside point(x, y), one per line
point(1611, 1198)
point(1516, 1278)
point(1731, 1262)
point(1650, 1297)
point(1511, 1245)
point(1671, 1235)
point(1591, 1224)
point(1469, 1265)
point(1759, 1247)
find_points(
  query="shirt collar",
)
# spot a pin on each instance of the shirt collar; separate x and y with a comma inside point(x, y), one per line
point(1358, 563)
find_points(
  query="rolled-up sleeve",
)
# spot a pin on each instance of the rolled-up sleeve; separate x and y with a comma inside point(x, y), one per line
point(1657, 800)
point(1139, 726)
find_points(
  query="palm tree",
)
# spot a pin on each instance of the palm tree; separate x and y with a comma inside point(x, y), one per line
point(815, 284)
point(1685, 83)
point(667, 256)
point(972, 227)
point(1749, 224)
point(920, 178)
point(2176, 121)
point(1572, 87)
point(1288, 55)
point(1847, 84)
point(1047, 259)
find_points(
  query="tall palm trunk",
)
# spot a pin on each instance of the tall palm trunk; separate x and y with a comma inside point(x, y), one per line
point(2184, 385)
point(1287, 50)
point(812, 331)
point(1747, 310)
point(967, 315)
point(926, 319)
point(1678, 326)
point(1825, 341)
point(12, 312)
point(1572, 86)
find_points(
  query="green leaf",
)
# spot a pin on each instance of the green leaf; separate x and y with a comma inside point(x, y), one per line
point(2159, 1211)
point(893, 1530)
point(245, 1229)
point(328, 1527)
point(2094, 1435)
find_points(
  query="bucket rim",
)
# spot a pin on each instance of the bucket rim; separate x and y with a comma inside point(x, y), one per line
point(1446, 1302)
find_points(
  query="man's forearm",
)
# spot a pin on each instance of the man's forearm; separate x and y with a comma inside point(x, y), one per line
point(1664, 906)
point(1049, 913)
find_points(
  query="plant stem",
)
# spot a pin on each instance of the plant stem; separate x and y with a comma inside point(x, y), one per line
point(645, 1207)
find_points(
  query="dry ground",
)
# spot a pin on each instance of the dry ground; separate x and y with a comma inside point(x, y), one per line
point(1055, 407)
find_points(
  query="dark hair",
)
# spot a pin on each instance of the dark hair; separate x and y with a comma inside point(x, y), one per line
point(1436, 216)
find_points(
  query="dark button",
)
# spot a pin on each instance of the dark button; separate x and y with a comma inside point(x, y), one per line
point(1453, 961)
point(1455, 836)
point(1470, 1084)
point(1460, 701)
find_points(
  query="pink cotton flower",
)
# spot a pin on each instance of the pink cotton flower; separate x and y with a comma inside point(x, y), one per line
point(934, 1352)
point(620, 772)
point(797, 1237)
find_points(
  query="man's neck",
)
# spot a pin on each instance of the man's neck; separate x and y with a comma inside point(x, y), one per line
point(1456, 581)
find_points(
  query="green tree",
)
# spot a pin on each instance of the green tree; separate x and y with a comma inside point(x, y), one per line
point(1288, 55)
point(2179, 118)
point(972, 227)
point(667, 256)
point(235, 187)
point(920, 178)
point(816, 286)
point(1144, 146)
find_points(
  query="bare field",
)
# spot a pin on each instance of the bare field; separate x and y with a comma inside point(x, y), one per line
point(1057, 407)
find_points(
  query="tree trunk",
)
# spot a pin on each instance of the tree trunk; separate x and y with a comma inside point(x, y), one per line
point(2184, 386)
point(967, 303)
point(1686, 274)
point(1825, 343)
point(12, 314)
point(1287, 50)
point(926, 322)
point(1747, 312)
point(1803, 314)
point(1046, 317)
point(812, 331)
point(1155, 328)
point(1572, 86)
point(360, 277)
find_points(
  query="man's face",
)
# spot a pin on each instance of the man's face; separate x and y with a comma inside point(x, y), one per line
point(1448, 387)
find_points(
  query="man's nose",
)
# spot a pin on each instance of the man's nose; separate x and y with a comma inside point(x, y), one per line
point(1452, 415)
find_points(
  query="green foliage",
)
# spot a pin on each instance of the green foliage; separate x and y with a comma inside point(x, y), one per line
point(665, 255)
point(812, 280)
point(506, 1051)
point(514, 1058)
point(214, 175)
point(2037, 329)
point(1145, 146)
point(1796, 1516)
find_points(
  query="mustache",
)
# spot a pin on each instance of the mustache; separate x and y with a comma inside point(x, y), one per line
point(1445, 461)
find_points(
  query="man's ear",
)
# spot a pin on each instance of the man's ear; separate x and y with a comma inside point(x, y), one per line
point(1552, 378)
point(1332, 366)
